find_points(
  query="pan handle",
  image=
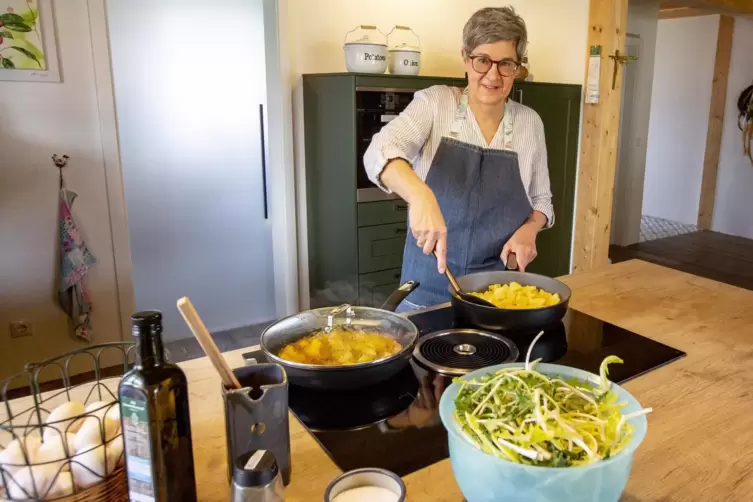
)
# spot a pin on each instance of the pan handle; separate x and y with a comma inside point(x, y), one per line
point(512, 262)
point(399, 295)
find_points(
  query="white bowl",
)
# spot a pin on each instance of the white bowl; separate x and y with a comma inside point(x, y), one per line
point(365, 58)
point(362, 478)
point(405, 62)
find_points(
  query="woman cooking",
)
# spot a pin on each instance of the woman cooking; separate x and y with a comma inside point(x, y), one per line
point(470, 163)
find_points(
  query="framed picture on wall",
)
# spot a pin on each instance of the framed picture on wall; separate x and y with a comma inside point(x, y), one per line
point(28, 48)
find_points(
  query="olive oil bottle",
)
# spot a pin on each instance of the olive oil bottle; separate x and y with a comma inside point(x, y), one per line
point(155, 420)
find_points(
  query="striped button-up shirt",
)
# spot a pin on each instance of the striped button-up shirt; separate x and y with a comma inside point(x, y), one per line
point(414, 135)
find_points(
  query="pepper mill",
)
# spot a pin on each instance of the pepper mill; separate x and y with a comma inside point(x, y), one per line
point(256, 478)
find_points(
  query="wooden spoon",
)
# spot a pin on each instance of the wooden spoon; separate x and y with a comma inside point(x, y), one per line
point(207, 343)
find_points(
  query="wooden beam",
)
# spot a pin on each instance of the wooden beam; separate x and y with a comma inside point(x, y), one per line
point(679, 12)
point(607, 25)
point(716, 122)
point(671, 5)
point(721, 6)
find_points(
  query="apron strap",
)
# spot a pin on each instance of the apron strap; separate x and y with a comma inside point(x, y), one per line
point(460, 115)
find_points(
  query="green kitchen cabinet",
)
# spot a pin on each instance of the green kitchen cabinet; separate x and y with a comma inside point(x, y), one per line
point(355, 248)
point(380, 247)
point(382, 212)
point(375, 288)
point(558, 105)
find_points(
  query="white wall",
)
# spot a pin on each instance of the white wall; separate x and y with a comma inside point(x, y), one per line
point(557, 51)
point(732, 206)
point(685, 53)
point(557, 32)
point(631, 165)
point(37, 120)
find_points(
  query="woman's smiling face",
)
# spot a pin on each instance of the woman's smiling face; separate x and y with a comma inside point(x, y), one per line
point(490, 88)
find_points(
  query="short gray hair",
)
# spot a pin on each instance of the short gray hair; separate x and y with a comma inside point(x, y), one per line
point(495, 24)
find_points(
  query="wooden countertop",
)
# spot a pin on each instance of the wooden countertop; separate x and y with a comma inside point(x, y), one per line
point(700, 437)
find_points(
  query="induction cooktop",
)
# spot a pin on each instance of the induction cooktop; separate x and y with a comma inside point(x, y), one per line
point(395, 424)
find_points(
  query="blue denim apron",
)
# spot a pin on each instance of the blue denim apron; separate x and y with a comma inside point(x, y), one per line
point(483, 201)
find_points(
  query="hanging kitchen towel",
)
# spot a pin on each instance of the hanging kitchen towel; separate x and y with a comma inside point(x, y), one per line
point(75, 260)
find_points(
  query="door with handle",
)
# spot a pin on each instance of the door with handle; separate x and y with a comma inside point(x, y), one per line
point(191, 115)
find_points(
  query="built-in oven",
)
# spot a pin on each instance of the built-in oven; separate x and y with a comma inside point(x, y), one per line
point(375, 107)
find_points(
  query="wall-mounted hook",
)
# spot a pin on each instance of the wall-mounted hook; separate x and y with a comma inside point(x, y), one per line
point(60, 162)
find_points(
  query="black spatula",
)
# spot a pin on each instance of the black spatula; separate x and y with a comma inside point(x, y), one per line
point(465, 296)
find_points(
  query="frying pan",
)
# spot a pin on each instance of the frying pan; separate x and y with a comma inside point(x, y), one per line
point(494, 318)
point(350, 376)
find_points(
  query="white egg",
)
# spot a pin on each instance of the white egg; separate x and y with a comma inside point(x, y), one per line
point(61, 486)
point(28, 479)
point(91, 432)
point(115, 455)
point(62, 418)
point(14, 453)
point(100, 408)
point(114, 413)
point(54, 449)
point(88, 467)
point(4, 473)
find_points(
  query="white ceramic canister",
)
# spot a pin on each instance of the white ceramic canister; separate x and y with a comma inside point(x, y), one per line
point(365, 50)
point(404, 57)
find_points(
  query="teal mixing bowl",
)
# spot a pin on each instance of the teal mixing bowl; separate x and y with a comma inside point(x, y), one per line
point(485, 478)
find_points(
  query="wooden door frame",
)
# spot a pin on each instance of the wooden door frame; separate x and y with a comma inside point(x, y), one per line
point(607, 27)
point(626, 211)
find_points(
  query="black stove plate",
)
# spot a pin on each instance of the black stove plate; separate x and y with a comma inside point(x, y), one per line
point(395, 424)
point(466, 350)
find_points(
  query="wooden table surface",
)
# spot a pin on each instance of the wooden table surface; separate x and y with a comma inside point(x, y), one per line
point(700, 437)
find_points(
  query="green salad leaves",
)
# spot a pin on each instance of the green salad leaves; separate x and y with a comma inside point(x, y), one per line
point(524, 416)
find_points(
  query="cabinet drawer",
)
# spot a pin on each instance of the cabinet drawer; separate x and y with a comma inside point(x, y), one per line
point(381, 247)
point(382, 212)
point(375, 288)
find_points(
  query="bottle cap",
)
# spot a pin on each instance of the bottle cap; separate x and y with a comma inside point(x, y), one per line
point(146, 319)
point(255, 468)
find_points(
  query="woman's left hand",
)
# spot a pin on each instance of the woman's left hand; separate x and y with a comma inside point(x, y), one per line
point(523, 244)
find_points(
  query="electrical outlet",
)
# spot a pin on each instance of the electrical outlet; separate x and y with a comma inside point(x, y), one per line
point(19, 329)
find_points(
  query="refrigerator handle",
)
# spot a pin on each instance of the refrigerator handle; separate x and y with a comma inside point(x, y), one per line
point(263, 161)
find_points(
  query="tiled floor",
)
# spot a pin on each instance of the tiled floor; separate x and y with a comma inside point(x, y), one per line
point(188, 348)
point(721, 257)
point(653, 228)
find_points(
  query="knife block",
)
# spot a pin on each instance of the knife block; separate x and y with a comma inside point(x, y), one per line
point(256, 415)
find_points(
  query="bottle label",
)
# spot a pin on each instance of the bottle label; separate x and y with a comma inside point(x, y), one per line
point(138, 455)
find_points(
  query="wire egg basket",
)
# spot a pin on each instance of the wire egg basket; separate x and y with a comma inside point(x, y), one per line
point(65, 444)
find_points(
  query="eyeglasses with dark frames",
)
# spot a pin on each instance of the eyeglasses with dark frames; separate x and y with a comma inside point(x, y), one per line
point(482, 64)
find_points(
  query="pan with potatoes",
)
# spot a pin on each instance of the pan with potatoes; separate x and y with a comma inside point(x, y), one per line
point(340, 347)
point(524, 302)
point(343, 347)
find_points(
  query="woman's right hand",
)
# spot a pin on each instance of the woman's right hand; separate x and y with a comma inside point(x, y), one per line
point(428, 227)
point(426, 221)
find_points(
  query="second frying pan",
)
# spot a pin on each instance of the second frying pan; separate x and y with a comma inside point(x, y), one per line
point(493, 318)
